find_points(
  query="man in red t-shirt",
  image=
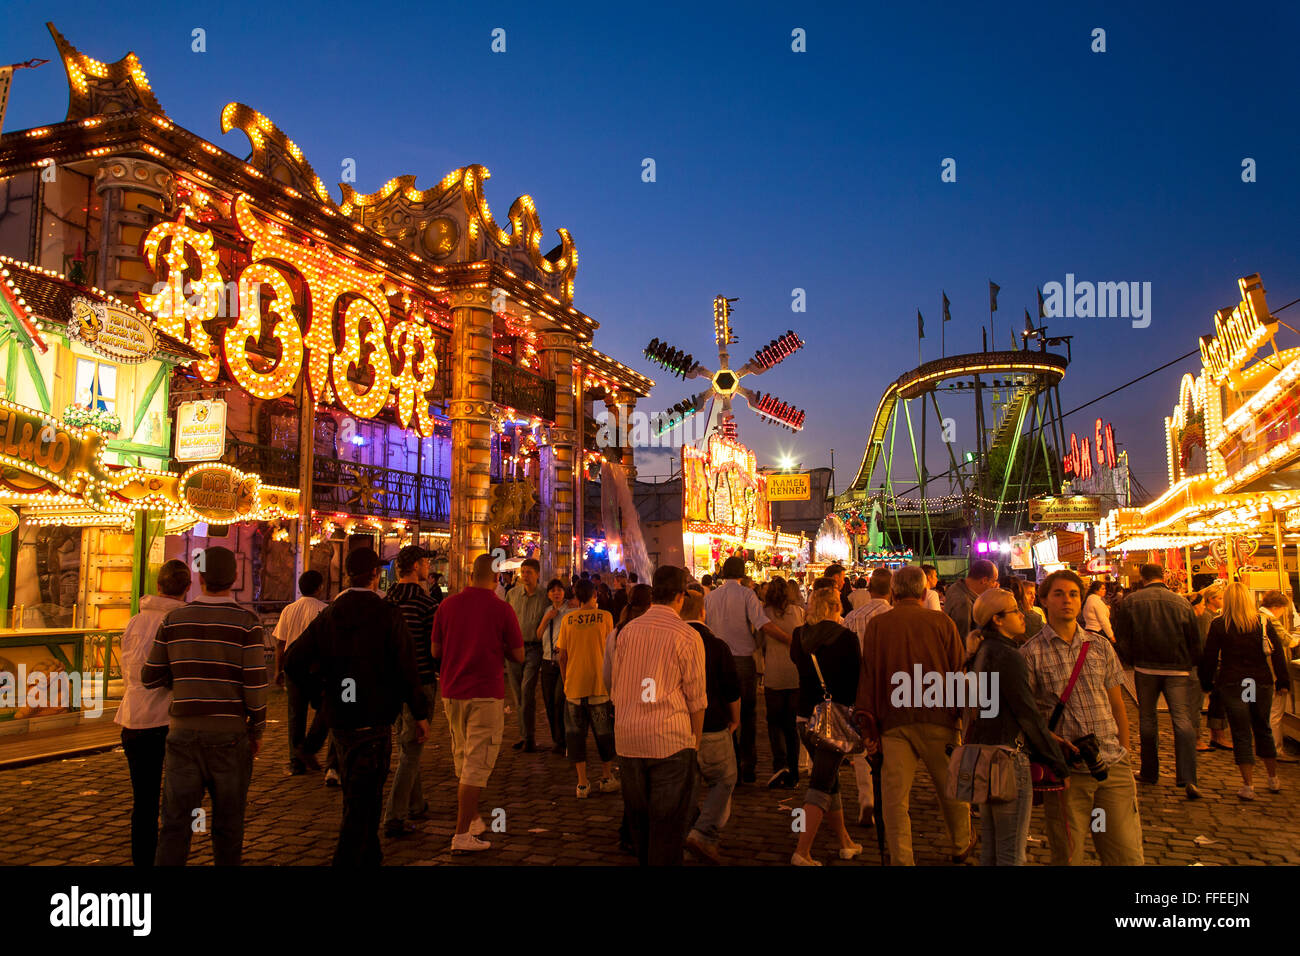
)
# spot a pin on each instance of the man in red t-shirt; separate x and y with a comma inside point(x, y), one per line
point(475, 633)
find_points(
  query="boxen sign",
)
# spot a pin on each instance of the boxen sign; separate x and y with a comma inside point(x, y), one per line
point(201, 430)
point(788, 488)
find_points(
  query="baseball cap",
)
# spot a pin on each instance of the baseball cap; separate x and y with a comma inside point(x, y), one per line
point(407, 557)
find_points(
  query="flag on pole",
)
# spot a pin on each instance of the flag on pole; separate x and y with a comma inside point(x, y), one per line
point(1029, 325)
point(1042, 313)
point(920, 325)
point(994, 289)
point(947, 316)
point(6, 78)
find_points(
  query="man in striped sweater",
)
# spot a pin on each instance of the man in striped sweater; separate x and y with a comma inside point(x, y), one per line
point(210, 653)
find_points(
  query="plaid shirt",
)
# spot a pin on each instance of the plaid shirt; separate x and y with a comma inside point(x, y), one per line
point(1088, 711)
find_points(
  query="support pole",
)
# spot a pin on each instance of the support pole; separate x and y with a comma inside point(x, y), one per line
point(306, 469)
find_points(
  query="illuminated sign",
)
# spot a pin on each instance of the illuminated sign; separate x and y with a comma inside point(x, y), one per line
point(1079, 461)
point(1238, 332)
point(220, 494)
point(8, 519)
point(1064, 509)
point(789, 488)
point(724, 452)
point(201, 430)
point(110, 331)
point(399, 364)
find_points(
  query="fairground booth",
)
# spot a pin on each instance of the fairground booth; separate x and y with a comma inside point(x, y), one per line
point(192, 332)
point(725, 512)
point(1232, 509)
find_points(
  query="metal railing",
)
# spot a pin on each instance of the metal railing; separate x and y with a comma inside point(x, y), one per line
point(350, 487)
point(522, 390)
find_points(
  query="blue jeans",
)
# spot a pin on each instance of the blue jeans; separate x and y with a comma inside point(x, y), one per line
point(199, 760)
point(1183, 695)
point(717, 759)
point(1004, 827)
point(523, 684)
point(407, 795)
point(1250, 718)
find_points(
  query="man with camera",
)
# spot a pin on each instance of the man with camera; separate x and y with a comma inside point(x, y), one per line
point(1100, 796)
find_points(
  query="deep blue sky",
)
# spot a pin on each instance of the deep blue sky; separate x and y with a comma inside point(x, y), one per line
point(776, 170)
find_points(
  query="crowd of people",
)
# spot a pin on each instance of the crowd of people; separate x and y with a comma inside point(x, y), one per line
point(665, 675)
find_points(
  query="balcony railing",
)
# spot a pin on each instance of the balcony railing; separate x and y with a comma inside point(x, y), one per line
point(522, 390)
point(349, 487)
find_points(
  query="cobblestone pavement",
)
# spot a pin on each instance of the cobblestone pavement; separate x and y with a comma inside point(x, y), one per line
point(77, 811)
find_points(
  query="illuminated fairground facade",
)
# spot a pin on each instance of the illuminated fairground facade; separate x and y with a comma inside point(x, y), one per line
point(1233, 446)
point(199, 333)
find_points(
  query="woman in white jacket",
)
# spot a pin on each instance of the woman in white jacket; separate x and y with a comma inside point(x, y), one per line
point(1096, 614)
point(143, 713)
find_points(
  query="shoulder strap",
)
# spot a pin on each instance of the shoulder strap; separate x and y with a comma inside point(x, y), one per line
point(817, 668)
point(1059, 709)
point(1074, 675)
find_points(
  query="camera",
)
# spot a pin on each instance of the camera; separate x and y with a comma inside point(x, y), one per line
point(1090, 755)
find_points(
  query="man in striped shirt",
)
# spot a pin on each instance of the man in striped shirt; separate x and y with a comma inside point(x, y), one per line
point(406, 798)
point(659, 696)
point(210, 653)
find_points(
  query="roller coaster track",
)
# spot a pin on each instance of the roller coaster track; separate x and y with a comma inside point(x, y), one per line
point(1046, 367)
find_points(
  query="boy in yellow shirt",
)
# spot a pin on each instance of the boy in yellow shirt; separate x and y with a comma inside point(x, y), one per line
point(581, 648)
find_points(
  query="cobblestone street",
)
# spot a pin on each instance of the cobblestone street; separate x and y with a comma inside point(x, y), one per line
point(77, 811)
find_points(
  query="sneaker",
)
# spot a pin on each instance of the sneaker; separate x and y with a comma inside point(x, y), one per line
point(332, 778)
point(1192, 792)
point(584, 791)
point(776, 780)
point(1246, 793)
point(797, 860)
point(608, 785)
point(477, 826)
point(850, 851)
point(468, 843)
point(1274, 784)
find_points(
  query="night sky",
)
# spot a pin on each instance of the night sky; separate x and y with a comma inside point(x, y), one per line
point(779, 170)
